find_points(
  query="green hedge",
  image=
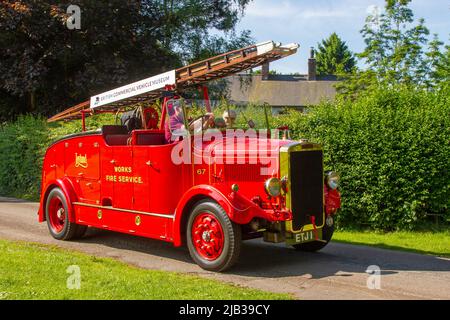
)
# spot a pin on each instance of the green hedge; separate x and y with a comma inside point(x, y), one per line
point(22, 147)
point(392, 150)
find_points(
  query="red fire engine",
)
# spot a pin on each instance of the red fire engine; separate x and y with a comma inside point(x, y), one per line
point(231, 187)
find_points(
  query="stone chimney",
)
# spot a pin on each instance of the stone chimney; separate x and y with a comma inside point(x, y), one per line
point(312, 66)
point(265, 71)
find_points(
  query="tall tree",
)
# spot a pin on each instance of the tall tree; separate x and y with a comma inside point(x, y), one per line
point(333, 57)
point(190, 27)
point(394, 45)
point(434, 59)
point(394, 52)
point(438, 64)
point(442, 72)
point(45, 66)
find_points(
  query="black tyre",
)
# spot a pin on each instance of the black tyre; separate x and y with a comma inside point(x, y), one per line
point(327, 234)
point(213, 240)
point(81, 230)
point(56, 214)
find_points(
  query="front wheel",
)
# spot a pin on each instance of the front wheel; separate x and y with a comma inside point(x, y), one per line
point(56, 214)
point(213, 240)
point(327, 234)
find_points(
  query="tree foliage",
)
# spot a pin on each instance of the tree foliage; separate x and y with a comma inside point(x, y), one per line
point(397, 52)
point(333, 57)
point(394, 44)
point(45, 67)
point(439, 64)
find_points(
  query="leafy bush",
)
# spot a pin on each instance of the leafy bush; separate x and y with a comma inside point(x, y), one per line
point(392, 150)
point(22, 147)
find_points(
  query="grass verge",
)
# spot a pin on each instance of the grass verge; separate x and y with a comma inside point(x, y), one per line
point(435, 243)
point(35, 271)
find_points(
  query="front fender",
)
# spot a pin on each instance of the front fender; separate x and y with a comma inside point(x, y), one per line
point(238, 208)
point(196, 193)
point(66, 186)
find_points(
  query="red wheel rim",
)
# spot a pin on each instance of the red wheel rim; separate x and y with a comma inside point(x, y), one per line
point(57, 214)
point(207, 236)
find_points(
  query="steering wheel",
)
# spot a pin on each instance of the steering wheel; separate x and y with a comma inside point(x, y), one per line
point(151, 117)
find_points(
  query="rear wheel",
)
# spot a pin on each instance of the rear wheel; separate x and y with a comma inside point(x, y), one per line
point(213, 240)
point(56, 214)
point(327, 234)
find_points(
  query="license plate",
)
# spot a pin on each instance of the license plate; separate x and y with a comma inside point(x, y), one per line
point(305, 236)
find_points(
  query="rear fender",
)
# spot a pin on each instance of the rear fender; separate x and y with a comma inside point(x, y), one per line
point(66, 186)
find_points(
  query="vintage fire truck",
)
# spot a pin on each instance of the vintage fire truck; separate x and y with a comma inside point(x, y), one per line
point(126, 180)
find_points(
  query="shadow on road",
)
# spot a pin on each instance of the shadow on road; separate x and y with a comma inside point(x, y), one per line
point(259, 259)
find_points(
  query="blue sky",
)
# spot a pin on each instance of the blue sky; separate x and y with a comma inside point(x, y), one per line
point(309, 21)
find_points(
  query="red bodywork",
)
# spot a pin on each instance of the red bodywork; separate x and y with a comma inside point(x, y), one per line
point(129, 182)
point(212, 188)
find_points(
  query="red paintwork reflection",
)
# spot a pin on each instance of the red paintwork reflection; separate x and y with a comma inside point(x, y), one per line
point(332, 200)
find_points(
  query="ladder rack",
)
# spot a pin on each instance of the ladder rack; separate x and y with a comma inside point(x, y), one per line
point(196, 74)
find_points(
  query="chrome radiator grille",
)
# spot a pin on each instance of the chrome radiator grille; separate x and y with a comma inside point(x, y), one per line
point(306, 192)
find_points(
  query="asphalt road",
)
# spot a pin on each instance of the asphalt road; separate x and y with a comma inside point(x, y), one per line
point(336, 272)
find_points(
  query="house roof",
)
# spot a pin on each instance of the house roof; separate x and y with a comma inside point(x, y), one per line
point(280, 90)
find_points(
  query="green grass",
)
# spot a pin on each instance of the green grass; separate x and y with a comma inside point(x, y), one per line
point(428, 242)
point(34, 271)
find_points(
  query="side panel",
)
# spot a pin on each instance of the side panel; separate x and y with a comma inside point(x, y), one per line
point(82, 165)
point(142, 187)
point(124, 221)
point(123, 170)
point(168, 180)
point(50, 164)
point(54, 171)
point(107, 175)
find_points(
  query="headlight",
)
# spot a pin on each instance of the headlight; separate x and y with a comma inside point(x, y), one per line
point(273, 187)
point(332, 179)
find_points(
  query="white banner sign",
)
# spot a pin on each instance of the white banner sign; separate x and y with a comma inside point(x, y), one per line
point(134, 89)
